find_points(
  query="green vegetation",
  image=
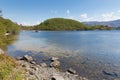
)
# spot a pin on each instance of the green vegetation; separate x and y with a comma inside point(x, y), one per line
point(27, 27)
point(8, 66)
point(100, 27)
point(7, 26)
point(9, 69)
point(64, 24)
point(61, 24)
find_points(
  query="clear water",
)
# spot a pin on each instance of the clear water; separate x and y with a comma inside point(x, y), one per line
point(88, 52)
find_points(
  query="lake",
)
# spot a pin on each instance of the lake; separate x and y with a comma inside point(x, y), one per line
point(93, 54)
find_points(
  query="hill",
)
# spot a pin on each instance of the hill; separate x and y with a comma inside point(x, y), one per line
point(61, 24)
point(7, 26)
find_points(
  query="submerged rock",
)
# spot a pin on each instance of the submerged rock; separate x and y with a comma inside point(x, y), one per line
point(113, 74)
point(72, 71)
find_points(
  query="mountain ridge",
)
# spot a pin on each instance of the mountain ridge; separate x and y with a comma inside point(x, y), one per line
point(113, 23)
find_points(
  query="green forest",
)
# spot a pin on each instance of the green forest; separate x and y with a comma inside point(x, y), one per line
point(7, 26)
point(64, 24)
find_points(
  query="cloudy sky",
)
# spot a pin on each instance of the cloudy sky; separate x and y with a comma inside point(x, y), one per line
point(29, 12)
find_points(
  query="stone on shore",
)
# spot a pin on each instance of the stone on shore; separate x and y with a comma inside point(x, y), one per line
point(32, 62)
point(43, 72)
point(55, 64)
point(19, 58)
point(43, 64)
point(27, 58)
point(57, 77)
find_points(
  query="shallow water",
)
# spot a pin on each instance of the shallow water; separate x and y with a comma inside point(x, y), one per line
point(90, 53)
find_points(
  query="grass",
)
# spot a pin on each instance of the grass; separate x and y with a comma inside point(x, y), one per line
point(9, 69)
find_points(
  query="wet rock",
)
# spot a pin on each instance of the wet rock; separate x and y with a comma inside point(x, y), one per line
point(113, 74)
point(42, 72)
point(19, 58)
point(25, 65)
point(1, 51)
point(34, 67)
point(54, 58)
point(31, 72)
point(72, 71)
point(57, 77)
point(32, 62)
point(27, 58)
point(43, 64)
point(55, 64)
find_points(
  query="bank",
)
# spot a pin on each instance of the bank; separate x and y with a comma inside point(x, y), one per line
point(25, 68)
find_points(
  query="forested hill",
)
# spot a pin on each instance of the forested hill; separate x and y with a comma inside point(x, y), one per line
point(61, 24)
point(7, 26)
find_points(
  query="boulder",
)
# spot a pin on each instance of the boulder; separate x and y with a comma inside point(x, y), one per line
point(72, 71)
point(55, 64)
point(27, 58)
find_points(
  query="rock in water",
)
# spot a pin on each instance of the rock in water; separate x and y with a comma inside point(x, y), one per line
point(72, 71)
point(28, 58)
point(19, 58)
point(55, 64)
point(113, 74)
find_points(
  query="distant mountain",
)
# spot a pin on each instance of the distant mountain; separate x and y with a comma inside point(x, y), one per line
point(115, 23)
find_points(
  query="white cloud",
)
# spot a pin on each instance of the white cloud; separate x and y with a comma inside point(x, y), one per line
point(108, 16)
point(101, 17)
point(29, 23)
point(68, 11)
point(118, 11)
point(84, 17)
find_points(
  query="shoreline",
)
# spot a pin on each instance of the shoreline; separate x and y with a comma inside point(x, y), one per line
point(43, 71)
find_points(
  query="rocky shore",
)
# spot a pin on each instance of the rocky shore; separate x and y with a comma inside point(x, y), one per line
point(43, 71)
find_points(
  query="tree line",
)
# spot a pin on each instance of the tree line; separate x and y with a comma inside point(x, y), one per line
point(7, 26)
point(64, 24)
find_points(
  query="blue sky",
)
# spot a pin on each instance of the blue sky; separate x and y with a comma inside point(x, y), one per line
point(29, 12)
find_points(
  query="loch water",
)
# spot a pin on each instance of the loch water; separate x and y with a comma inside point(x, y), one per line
point(93, 54)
